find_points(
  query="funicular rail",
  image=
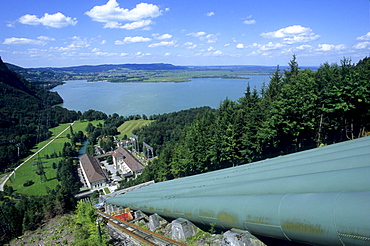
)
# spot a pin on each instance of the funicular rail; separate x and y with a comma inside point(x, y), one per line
point(137, 233)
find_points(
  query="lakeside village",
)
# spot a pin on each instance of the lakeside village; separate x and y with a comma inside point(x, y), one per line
point(98, 174)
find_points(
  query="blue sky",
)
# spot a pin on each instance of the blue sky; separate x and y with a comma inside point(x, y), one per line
point(54, 33)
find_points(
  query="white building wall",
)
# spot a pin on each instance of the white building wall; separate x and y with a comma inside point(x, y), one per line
point(85, 176)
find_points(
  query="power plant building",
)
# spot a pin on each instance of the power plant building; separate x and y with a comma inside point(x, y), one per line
point(93, 174)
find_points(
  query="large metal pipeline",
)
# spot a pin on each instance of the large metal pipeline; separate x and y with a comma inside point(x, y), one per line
point(306, 180)
point(320, 196)
point(290, 164)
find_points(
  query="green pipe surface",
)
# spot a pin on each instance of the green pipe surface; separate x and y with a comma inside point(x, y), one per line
point(320, 196)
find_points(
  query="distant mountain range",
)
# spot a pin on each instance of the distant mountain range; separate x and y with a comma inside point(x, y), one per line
point(151, 66)
point(49, 77)
point(107, 67)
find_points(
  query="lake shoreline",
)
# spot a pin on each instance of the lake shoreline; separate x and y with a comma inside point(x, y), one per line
point(151, 98)
point(169, 80)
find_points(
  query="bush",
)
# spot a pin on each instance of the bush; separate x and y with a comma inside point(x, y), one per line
point(28, 183)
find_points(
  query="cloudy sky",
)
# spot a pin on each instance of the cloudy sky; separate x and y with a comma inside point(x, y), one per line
point(56, 33)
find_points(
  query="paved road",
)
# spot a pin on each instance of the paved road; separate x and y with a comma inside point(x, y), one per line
point(6, 178)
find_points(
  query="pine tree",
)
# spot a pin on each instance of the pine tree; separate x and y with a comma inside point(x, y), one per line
point(294, 68)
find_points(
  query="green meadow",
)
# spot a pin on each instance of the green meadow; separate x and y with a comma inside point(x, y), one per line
point(127, 127)
point(46, 156)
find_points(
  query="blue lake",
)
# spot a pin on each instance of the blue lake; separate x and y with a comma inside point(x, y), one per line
point(153, 98)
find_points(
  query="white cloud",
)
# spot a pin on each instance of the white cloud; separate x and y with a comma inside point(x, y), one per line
point(300, 39)
point(45, 38)
point(167, 54)
point(142, 54)
point(113, 15)
point(190, 45)
point(293, 34)
point(218, 52)
point(362, 45)
point(268, 46)
point(99, 53)
point(164, 36)
point(211, 38)
point(57, 20)
point(249, 22)
point(283, 32)
point(211, 52)
point(364, 37)
point(240, 46)
point(103, 41)
point(76, 44)
point(196, 34)
point(130, 40)
point(128, 26)
point(80, 42)
point(304, 47)
point(163, 43)
point(10, 24)
point(25, 41)
point(331, 47)
point(210, 14)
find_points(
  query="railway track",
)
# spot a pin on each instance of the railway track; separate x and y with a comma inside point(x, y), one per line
point(136, 233)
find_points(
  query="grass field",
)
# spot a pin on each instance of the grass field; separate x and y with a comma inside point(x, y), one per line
point(28, 170)
point(127, 127)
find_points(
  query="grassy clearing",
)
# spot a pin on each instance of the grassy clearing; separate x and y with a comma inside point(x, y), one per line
point(127, 127)
point(28, 170)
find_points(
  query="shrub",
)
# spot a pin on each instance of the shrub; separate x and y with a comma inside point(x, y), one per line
point(28, 183)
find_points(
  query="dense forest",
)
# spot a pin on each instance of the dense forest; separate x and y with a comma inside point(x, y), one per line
point(167, 128)
point(299, 109)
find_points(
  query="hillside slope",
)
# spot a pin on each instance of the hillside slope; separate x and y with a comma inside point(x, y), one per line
point(25, 115)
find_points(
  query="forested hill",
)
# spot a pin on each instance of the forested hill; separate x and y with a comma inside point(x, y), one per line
point(13, 80)
point(299, 109)
point(25, 115)
point(45, 77)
